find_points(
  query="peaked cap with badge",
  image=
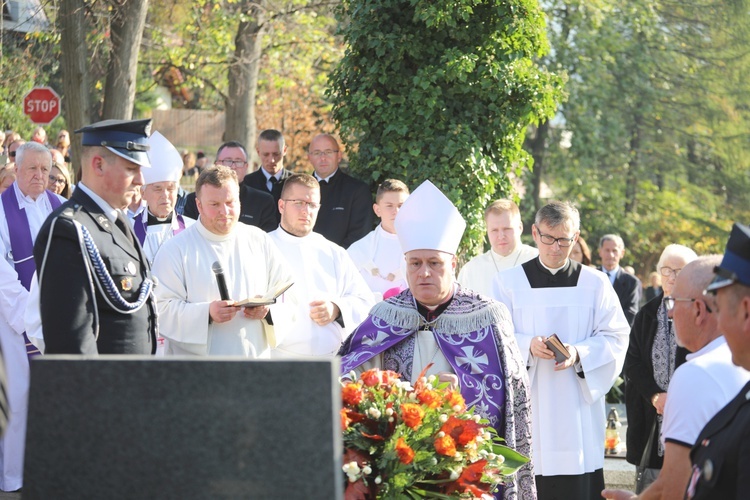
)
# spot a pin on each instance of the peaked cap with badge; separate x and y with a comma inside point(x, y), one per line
point(735, 266)
point(96, 291)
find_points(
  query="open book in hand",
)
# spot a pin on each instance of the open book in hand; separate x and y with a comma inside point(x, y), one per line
point(555, 345)
point(268, 299)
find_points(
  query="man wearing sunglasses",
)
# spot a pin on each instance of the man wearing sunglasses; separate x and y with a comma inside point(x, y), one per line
point(552, 294)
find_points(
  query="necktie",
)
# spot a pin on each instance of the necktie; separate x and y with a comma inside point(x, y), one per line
point(273, 180)
point(121, 223)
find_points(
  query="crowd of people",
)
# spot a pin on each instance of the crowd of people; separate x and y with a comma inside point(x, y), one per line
point(272, 264)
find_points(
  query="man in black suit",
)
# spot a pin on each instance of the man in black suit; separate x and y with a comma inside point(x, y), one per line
point(96, 292)
point(345, 203)
point(271, 175)
point(627, 286)
point(257, 207)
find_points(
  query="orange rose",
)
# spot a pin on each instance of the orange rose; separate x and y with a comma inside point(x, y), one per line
point(352, 394)
point(462, 431)
point(371, 378)
point(445, 445)
point(429, 398)
point(454, 398)
point(412, 415)
point(404, 451)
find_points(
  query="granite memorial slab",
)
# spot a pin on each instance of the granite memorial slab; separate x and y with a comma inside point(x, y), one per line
point(184, 428)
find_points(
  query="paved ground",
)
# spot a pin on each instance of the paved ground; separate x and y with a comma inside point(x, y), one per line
point(10, 496)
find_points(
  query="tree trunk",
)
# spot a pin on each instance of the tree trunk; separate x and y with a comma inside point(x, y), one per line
point(243, 78)
point(126, 30)
point(71, 25)
point(538, 146)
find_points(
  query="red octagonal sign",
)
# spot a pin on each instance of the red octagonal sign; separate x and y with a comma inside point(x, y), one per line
point(42, 105)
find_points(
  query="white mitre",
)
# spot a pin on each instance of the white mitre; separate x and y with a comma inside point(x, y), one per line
point(429, 221)
point(166, 162)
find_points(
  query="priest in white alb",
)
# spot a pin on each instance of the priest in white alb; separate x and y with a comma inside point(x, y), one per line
point(159, 222)
point(468, 338)
point(504, 228)
point(329, 297)
point(193, 316)
point(555, 295)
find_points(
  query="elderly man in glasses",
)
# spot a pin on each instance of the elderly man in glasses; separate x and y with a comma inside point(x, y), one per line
point(552, 294)
point(345, 213)
point(330, 297)
point(257, 208)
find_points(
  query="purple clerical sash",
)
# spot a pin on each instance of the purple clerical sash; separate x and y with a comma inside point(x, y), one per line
point(474, 356)
point(22, 245)
point(141, 228)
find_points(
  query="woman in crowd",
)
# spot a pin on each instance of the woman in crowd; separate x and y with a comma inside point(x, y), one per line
point(59, 180)
point(581, 252)
point(651, 359)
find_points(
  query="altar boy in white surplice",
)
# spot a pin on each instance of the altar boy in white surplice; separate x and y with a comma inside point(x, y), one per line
point(192, 315)
point(329, 297)
point(552, 294)
point(378, 256)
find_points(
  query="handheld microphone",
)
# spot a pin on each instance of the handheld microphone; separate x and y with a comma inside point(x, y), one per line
point(219, 272)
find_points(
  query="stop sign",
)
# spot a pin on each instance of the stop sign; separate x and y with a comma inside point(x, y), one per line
point(42, 105)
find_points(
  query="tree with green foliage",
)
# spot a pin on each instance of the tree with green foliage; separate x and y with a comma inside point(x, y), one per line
point(442, 90)
point(657, 147)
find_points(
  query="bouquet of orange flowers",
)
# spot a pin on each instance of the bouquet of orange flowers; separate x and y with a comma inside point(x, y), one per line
point(410, 442)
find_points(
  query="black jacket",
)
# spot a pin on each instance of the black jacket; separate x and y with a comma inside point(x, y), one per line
point(67, 302)
point(257, 180)
point(641, 386)
point(628, 289)
point(256, 208)
point(722, 452)
point(345, 209)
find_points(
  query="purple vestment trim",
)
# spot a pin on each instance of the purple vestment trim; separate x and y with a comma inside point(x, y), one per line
point(141, 230)
point(22, 245)
point(473, 355)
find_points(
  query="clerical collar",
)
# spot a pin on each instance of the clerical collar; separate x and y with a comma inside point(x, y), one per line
point(555, 270)
point(154, 220)
point(290, 234)
point(541, 276)
point(432, 315)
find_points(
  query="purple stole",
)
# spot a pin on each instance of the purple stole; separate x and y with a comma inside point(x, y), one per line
point(473, 355)
point(141, 229)
point(22, 245)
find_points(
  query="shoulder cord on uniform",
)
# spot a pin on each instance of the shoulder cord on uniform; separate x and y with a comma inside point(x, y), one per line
point(88, 273)
point(104, 281)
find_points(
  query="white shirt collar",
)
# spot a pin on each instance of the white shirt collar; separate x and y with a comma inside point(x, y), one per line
point(327, 178)
point(24, 201)
point(110, 212)
point(717, 342)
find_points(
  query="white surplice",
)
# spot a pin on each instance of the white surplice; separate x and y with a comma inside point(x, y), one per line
point(187, 285)
point(378, 256)
point(13, 298)
point(322, 271)
point(568, 411)
point(479, 273)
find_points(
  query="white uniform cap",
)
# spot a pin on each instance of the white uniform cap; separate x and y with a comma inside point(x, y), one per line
point(429, 221)
point(166, 162)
